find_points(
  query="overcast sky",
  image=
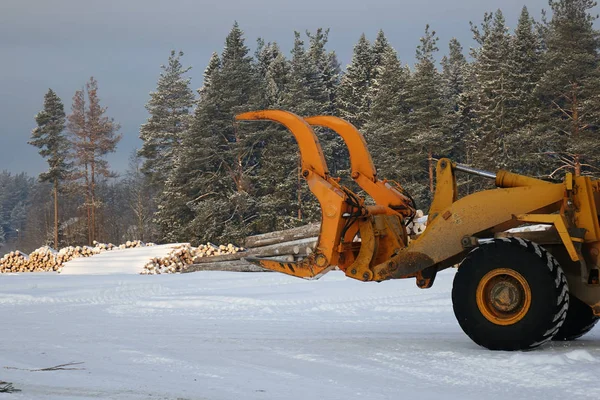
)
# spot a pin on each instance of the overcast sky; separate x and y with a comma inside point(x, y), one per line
point(59, 44)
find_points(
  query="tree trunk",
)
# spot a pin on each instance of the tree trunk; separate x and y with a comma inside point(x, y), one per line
point(430, 172)
point(56, 213)
point(299, 190)
point(93, 195)
point(575, 133)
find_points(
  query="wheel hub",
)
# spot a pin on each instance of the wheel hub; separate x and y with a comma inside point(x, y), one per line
point(503, 296)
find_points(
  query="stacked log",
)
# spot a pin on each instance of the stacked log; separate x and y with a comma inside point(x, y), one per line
point(210, 250)
point(131, 244)
point(68, 253)
point(176, 261)
point(100, 247)
point(43, 259)
point(46, 259)
point(15, 261)
point(287, 245)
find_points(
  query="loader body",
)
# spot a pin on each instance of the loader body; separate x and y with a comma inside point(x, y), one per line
point(503, 275)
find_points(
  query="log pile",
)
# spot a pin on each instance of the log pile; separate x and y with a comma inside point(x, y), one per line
point(130, 244)
point(43, 259)
point(46, 259)
point(209, 250)
point(181, 257)
point(15, 261)
point(176, 261)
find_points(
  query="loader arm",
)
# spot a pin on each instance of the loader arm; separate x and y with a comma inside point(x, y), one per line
point(363, 172)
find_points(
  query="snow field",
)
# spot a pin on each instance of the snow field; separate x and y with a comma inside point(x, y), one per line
point(224, 335)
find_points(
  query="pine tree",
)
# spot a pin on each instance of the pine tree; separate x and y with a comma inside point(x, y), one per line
point(169, 107)
point(93, 136)
point(49, 137)
point(571, 83)
point(428, 108)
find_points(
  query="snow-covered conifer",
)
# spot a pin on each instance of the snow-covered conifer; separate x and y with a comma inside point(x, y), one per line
point(50, 138)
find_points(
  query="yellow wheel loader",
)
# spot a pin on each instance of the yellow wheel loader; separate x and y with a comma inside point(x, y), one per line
point(512, 291)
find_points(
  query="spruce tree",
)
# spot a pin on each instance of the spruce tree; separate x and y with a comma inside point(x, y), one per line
point(327, 66)
point(306, 95)
point(277, 78)
point(454, 71)
point(50, 138)
point(169, 107)
point(213, 179)
point(387, 125)
point(428, 108)
point(571, 83)
point(172, 212)
point(213, 65)
point(527, 140)
point(381, 47)
point(353, 99)
point(493, 94)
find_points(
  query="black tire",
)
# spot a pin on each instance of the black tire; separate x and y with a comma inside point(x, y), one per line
point(580, 320)
point(530, 268)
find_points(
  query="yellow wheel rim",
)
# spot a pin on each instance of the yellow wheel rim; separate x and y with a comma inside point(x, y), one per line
point(503, 296)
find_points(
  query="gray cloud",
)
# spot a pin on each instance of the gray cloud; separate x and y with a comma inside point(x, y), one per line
point(59, 44)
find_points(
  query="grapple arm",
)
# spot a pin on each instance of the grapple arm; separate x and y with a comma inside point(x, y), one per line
point(384, 193)
point(334, 199)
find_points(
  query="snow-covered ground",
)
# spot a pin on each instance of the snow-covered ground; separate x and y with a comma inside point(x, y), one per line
point(223, 335)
